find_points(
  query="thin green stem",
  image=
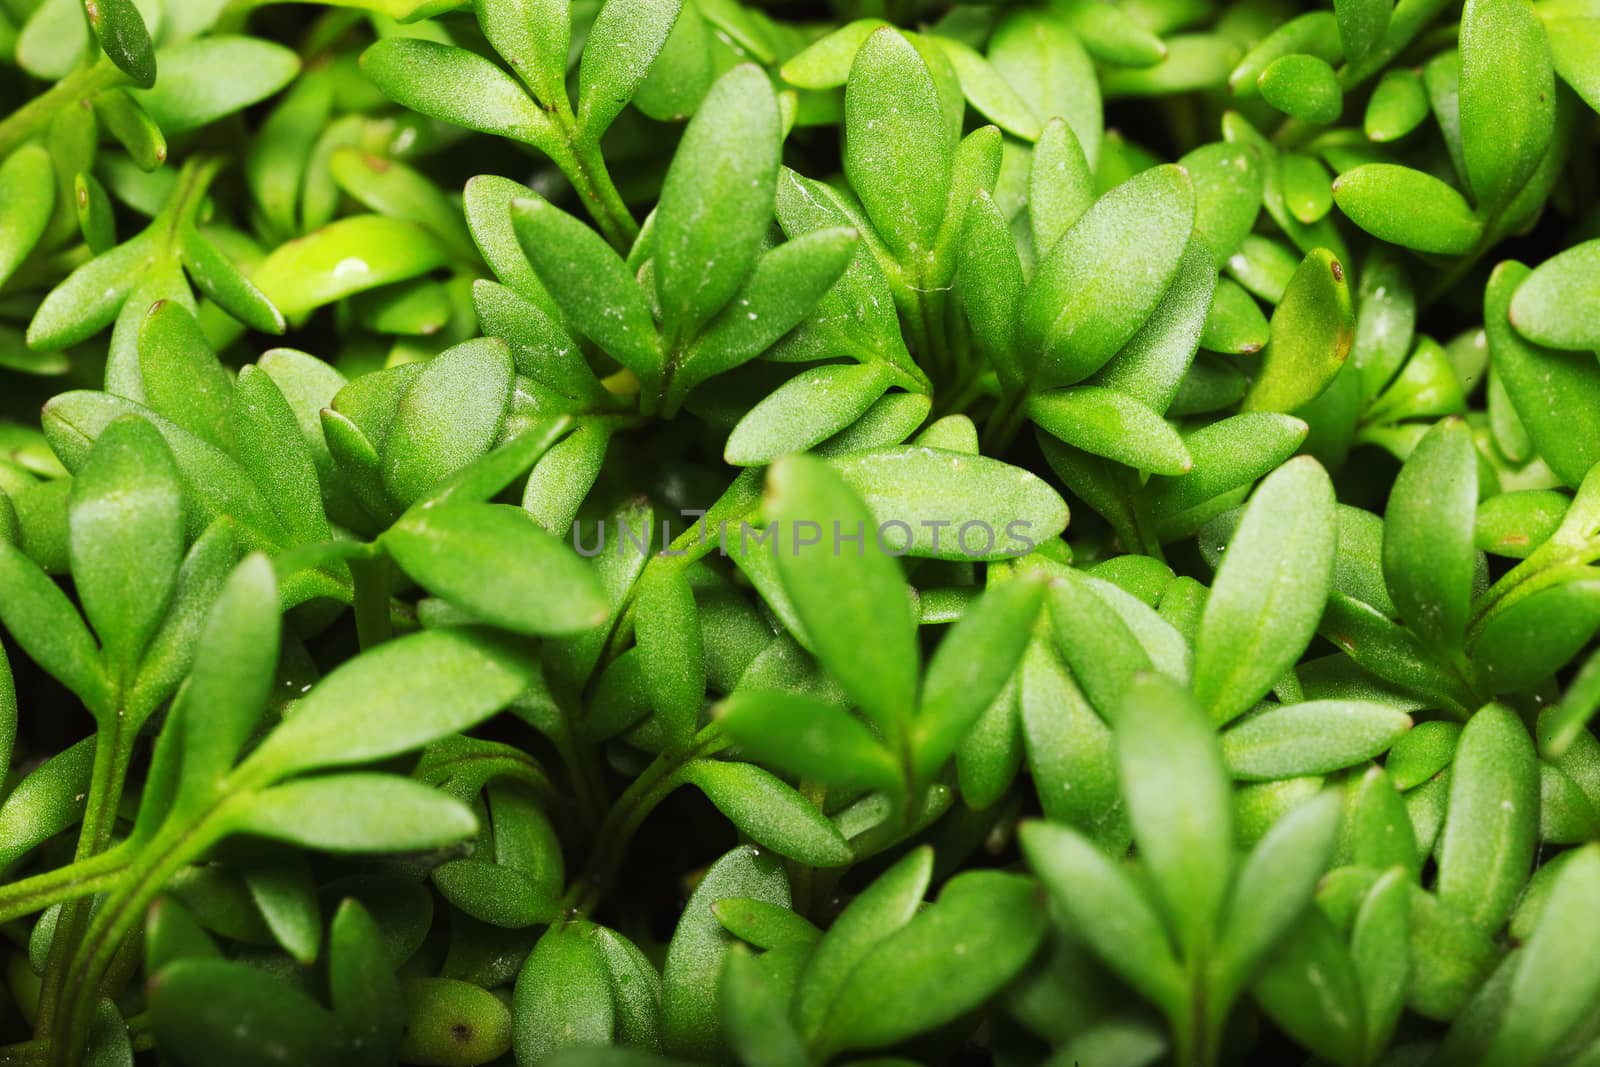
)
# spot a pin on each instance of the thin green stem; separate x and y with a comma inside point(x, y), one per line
point(1004, 422)
point(113, 751)
point(636, 803)
point(34, 117)
point(371, 577)
point(585, 167)
point(165, 854)
point(80, 879)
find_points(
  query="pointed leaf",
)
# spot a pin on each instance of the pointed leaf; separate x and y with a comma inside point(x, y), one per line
point(1269, 591)
point(493, 561)
point(1428, 550)
point(394, 698)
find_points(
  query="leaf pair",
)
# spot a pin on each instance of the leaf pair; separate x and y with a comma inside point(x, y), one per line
point(722, 297)
point(437, 79)
point(1198, 904)
point(851, 601)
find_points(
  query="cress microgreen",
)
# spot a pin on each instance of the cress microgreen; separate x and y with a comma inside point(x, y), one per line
point(521, 540)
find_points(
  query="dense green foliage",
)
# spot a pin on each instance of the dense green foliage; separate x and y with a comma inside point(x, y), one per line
point(636, 622)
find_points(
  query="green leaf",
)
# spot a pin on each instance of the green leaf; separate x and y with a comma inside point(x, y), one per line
point(1386, 316)
point(1508, 98)
point(1109, 423)
point(876, 913)
point(1069, 751)
point(949, 959)
point(88, 299)
point(457, 86)
point(534, 37)
point(1556, 395)
point(563, 996)
point(183, 378)
point(285, 893)
point(1361, 25)
point(1049, 68)
point(898, 152)
point(1304, 87)
point(1179, 802)
point(716, 202)
point(1523, 642)
point(700, 944)
point(206, 566)
point(362, 986)
point(990, 755)
point(8, 712)
point(807, 738)
point(355, 813)
point(987, 90)
point(349, 256)
point(764, 925)
point(1307, 186)
point(1106, 275)
point(1378, 945)
point(269, 443)
point(990, 282)
point(672, 652)
point(451, 415)
point(1408, 208)
point(938, 493)
point(235, 664)
point(171, 934)
point(1398, 105)
point(755, 1013)
point(1556, 980)
point(1493, 824)
point(592, 285)
point(1227, 192)
point(563, 477)
point(853, 605)
point(1228, 454)
point(1275, 886)
point(1108, 909)
point(971, 667)
point(783, 287)
point(205, 79)
point(1096, 643)
point(27, 198)
point(1060, 185)
point(682, 74)
point(46, 802)
point(635, 989)
point(1311, 737)
point(540, 346)
point(394, 698)
point(494, 562)
point(206, 1010)
point(1269, 592)
point(120, 29)
point(486, 203)
point(770, 812)
point(624, 40)
point(1312, 329)
point(825, 63)
point(1310, 989)
point(1428, 552)
point(1152, 366)
point(389, 187)
point(447, 1020)
point(1554, 305)
point(807, 409)
point(858, 315)
point(126, 538)
point(1110, 34)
